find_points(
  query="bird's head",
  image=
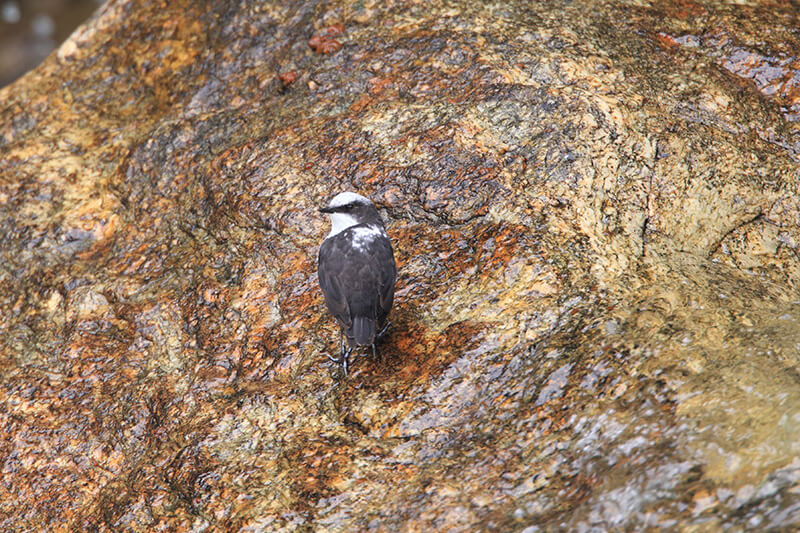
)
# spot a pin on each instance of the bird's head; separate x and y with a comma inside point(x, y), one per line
point(348, 209)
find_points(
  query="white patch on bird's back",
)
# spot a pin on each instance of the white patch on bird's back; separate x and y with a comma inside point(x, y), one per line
point(340, 222)
point(363, 236)
point(344, 198)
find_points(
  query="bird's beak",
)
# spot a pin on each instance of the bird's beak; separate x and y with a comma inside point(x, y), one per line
point(325, 210)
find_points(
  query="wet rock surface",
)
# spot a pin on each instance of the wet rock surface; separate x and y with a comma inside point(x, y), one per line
point(595, 217)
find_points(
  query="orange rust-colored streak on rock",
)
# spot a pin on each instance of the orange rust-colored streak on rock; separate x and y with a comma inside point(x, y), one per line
point(424, 355)
point(506, 243)
point(683, 9)
point(288, 78)
point(361, 103)
point(231, 156)
point(322, 44)
point(379, 84)
point(666, 41)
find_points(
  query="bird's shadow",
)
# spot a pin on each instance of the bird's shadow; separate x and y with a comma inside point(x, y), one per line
point(410, 353)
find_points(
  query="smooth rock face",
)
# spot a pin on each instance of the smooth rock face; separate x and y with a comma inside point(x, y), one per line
point(595, 215)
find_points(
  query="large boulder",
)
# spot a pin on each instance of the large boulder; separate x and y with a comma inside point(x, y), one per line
point(595, 214)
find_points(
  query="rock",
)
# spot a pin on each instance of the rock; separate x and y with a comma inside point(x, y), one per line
point(595, 216)
point(84, 303)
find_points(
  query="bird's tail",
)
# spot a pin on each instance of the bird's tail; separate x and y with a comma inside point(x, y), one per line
point(363, 331)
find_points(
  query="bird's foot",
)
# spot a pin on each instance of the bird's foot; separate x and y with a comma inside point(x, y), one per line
point(344, 361)
point(373, 352)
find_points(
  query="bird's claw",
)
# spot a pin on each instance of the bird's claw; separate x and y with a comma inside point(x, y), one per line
point(343, 360)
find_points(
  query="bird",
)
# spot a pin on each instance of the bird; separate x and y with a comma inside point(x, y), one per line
point(357, 272)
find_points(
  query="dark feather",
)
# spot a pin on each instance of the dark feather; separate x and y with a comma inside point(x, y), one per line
point(357, 283)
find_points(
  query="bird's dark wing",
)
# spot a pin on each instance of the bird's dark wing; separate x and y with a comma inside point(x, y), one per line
point(330, 258)
point(386, 279)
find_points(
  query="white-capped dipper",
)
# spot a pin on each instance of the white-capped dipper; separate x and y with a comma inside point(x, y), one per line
point(356, 271)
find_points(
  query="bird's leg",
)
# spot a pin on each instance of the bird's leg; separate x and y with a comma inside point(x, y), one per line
point(344, 355)
point(375, 356)
point(345, 361)
point(382, 331)
point(342, 359)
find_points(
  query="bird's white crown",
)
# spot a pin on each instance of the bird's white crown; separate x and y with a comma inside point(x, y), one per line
point(344, 198)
